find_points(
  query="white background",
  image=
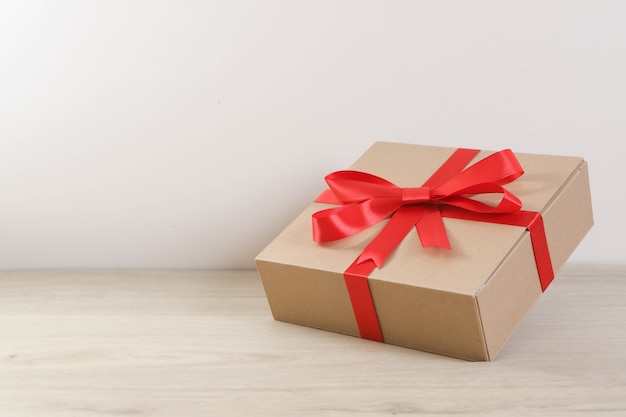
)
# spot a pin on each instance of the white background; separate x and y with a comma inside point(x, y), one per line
point(178, 134)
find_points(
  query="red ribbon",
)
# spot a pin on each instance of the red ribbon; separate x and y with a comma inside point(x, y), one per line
point(366, 199)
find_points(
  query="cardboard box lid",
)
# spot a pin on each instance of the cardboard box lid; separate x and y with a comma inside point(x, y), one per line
point(477, 247)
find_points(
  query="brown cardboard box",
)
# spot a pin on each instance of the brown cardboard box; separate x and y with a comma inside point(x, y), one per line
point(464, 302)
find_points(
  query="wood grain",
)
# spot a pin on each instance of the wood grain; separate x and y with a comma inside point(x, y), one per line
point(203, 343)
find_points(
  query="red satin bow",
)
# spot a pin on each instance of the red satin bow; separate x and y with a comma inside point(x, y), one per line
point(367, 199)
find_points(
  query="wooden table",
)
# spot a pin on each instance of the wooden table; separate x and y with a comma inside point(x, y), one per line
point(203, 343)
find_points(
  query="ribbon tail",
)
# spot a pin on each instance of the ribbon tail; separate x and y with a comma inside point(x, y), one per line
point(431, 229)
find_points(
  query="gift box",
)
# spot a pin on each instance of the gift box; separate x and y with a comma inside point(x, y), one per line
point(438, 249)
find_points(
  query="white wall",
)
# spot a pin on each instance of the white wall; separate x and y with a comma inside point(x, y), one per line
point(179, 134)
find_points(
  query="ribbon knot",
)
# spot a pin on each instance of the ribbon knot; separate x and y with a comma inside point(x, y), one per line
point(416, 195)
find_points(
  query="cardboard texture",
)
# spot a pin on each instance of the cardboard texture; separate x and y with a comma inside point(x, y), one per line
point(465, 302)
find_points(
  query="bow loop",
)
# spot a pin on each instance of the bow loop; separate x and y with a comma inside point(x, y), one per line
point(355, 186)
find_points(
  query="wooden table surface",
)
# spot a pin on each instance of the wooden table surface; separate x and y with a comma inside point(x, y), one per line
point(203, 343)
